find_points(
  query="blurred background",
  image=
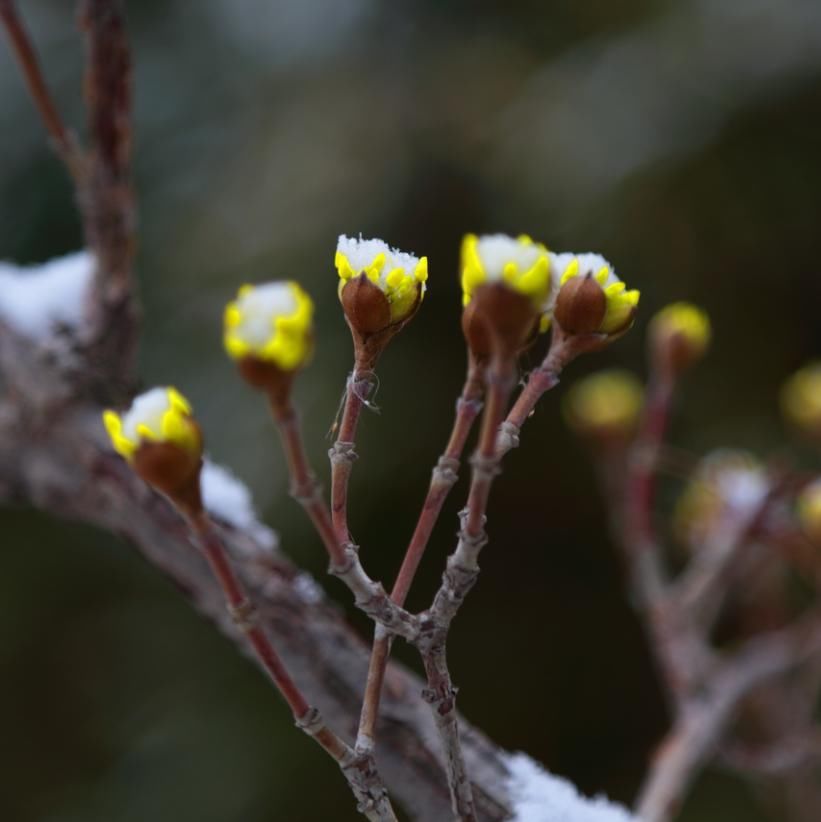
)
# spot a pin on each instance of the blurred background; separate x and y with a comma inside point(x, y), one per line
point(680, 138)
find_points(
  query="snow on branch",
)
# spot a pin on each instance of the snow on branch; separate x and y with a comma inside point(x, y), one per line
point(36, 299)
point(228, 499)
point(538, 796)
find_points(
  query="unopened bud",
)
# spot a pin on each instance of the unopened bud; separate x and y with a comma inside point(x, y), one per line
point(808, 507)
point(163, 444)
point(605, 406)
point(591, 298)
point(269, 333)
point(679, 335)
point(801, 400)
point(380, 289)
point(507, 293)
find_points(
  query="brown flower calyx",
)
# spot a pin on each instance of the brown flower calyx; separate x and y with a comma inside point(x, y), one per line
point(172, 470)
point(580, 306)
point(499, 320)
point(368, 314)
point(269, 377)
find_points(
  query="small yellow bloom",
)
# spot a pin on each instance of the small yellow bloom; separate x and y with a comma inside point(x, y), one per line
point(607, 403)
point(801, 399)
point(271, 323)
point(400, 276)
point(619, 303)
point(519, 263)
point(680, 334)
point(809, 510)
point(161, 415)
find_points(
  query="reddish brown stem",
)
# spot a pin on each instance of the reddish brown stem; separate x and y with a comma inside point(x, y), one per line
point(443, 479)
point(304, 487)
point(242, 611)
point(343, 454)
point(359, 772)
point(29, 64)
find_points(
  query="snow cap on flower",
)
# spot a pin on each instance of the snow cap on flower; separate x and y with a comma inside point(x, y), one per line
point(518, 262)
point(605, 405)
point(160, 438)
point(591, 298)
point(801, 400)
point(271, 323)
point(379, 286)
point(506, 290)
point(679, 335)
point(728, 485)
point(808, 506)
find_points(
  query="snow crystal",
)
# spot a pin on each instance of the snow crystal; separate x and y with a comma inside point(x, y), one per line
point(228, 499)
point(34, 299)
point(541, 797)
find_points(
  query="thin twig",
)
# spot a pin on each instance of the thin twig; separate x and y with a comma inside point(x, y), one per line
point(29, 64)
point(443, 479)
point(462, 571)
point(702, 720)
point(369, 595)
point(372, 798)
point(358, 388)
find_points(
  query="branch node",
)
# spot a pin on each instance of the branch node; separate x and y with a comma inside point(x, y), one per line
point(244, 615)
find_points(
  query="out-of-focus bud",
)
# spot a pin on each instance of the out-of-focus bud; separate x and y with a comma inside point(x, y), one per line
point(605, 406)
point(801, 400)
point(163, 443)
point(678, 335)
point(808, 506)
point(380, 289)
point(268, 331)
point(727, 486)
point(507, 292)
point(591, 298)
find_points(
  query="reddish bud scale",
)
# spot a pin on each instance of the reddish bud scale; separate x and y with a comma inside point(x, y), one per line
point(497, 317)
point(580, 306)
point(173, 470)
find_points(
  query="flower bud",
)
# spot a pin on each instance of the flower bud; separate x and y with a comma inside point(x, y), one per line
point(591, 298)
point(808, 507)
point(507, 292)
point(727, 485)
point(380, 289)
point(163, 443)
point(679, 335)
point(801, 400)
point(605, 406)
point(268, 330)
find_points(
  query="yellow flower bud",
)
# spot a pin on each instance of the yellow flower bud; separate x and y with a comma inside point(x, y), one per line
point(727, 484)
point(679, 335)
point(161, 440)
point(271, 323)
point(808, 507)
point(801, 400)
point(506, 290)
point(602, 305)
point(378, 285)
point(605, 405)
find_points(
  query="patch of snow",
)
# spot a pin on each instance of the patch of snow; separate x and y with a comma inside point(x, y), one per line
point(259, 306)
point(541, 797)
point(361, 254)
point(35, 299)
point(228, 499)
point(308, 589)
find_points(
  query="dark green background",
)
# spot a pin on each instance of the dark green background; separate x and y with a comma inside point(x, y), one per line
point(680, 139)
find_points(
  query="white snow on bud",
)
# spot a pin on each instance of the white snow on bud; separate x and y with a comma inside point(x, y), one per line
point(538, 796)
point(229, 500)
point(589, 263)
point(497, 250)
point(36, 299)
point(361, 253)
